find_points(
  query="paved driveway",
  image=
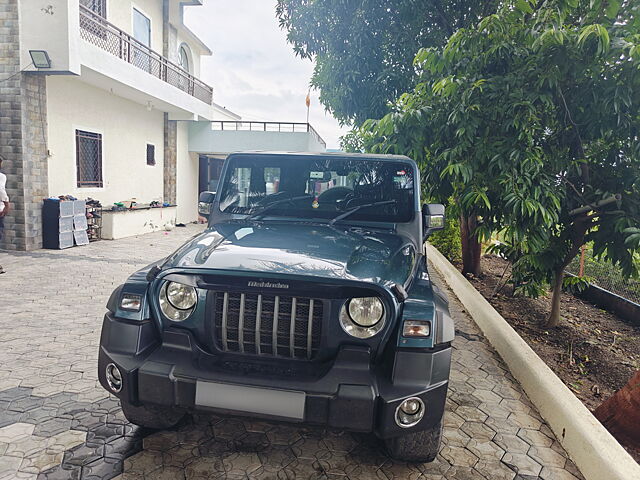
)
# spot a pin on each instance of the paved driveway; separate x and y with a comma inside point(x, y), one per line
point(56, 422)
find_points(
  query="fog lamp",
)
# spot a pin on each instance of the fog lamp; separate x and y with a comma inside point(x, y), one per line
point(410, 412)
point(114, 378)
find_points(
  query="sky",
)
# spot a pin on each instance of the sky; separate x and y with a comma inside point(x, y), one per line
point(253, 70)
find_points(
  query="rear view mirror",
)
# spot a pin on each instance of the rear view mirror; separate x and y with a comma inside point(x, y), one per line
point(432, 218)
point(205, 202)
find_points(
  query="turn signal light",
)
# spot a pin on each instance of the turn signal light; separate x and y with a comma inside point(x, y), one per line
point(416, 328)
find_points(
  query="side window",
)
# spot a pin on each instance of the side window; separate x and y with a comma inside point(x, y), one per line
point(99, 7)
point(88, 159)
point(237, 189)
point(272, 180)
point(151, 154)
point(141, 27)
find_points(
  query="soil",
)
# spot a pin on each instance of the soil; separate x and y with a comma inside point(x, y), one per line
point(594, 352)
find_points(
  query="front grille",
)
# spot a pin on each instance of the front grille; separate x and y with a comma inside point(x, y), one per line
point(268, 324)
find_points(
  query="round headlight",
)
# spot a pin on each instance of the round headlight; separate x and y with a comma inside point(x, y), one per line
point(367, 311)
point(183, 297)
point(362, 317)
point(177, 301)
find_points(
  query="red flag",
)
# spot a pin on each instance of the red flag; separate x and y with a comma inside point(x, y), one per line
point(308, 100)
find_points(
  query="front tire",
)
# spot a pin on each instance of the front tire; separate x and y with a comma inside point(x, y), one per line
point(420, 446)
point(151, 416)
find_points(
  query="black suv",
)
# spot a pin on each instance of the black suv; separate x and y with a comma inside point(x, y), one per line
point(307, 299)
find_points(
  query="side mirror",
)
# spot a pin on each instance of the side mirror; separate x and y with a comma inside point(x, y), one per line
point(205, 202)
point(432, 218)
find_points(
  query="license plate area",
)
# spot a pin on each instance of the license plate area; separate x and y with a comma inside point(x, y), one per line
point(287, 404)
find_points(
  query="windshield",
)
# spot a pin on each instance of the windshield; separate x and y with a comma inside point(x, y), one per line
point(313, 187)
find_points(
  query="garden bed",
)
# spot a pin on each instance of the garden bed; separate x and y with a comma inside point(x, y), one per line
point(594, 352)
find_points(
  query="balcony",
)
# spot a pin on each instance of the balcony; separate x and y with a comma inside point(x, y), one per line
point(221, 137)
point(286, 127)
point(99, 32)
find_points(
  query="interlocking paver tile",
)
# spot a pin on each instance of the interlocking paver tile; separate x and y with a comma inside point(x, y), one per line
point(14, 432)
point(522, 463)
point(547, 457)
point(56, 421)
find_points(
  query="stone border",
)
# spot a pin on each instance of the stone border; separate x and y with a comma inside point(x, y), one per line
point(593, 449)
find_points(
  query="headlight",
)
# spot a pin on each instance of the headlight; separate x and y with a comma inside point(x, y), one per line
point(177, 300)
point(183, 297)
point(366, 312)
point(362, 317)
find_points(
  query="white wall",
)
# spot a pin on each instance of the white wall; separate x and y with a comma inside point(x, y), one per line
point(186, 178)
point(126, 128)
point(120, 13)
point(52, 26)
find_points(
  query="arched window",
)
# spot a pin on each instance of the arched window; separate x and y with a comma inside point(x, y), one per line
point(183, 55)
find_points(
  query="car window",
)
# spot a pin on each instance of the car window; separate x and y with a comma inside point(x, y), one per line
point(320, 187)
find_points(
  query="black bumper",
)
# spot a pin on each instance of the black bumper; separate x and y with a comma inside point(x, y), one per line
point(350, 393)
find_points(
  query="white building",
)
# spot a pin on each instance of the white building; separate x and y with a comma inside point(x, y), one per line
point(113, 115)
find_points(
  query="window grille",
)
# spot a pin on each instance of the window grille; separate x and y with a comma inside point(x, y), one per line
point(151, 154)
point(89, 159)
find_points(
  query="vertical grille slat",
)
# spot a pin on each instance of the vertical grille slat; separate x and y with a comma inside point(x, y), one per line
point(309, 328)
point(274, 325)
point(241, 324)
point(276, 313)
point(258, 315)
point(225, 308)
point(292, 350)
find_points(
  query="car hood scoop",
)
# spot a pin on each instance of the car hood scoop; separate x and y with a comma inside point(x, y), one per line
point(300, 249)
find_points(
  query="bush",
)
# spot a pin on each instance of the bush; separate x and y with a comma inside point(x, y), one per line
point(448, 241)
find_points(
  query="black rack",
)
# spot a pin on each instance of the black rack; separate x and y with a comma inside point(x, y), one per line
point(94, 222)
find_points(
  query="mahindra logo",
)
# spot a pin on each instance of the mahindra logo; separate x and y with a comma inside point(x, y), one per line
point(267, 285)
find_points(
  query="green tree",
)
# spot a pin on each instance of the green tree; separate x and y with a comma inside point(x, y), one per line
point(531, 122)
point(364, 49)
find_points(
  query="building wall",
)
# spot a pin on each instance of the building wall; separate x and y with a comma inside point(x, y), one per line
point(204, 140)
point(126, 128)
point(120, 13)
point(187, 177)
point(22, 137)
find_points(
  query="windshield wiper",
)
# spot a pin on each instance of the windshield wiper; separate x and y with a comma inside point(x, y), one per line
point(355, 209)
point(268, 207)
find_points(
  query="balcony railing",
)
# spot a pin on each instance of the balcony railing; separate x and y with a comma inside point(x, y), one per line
point(98, 31)
point(290, 127)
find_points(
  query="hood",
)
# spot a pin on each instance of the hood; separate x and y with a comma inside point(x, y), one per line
point(300, 249)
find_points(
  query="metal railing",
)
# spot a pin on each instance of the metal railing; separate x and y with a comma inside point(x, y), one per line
point(249, 126)
point(98, 31)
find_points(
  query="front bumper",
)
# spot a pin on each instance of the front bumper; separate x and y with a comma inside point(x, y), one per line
point(349, 394)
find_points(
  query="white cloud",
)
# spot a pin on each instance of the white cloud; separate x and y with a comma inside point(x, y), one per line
point(253, 70)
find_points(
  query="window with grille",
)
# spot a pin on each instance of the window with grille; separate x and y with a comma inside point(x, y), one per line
point(89, 159)
point(151, 154)
point(99, 7)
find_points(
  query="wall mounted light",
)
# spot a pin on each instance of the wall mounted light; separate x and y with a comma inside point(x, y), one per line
point(40, 58)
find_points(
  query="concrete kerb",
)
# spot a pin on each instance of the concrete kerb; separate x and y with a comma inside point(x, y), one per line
point(594, 450)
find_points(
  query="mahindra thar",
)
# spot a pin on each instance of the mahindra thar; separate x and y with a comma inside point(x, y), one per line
point(307, 299)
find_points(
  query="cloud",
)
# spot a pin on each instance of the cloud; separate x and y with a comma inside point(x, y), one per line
point(253, 69)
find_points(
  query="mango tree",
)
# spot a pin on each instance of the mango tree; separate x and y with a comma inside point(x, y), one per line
point(363, 49)
point(531, 121)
